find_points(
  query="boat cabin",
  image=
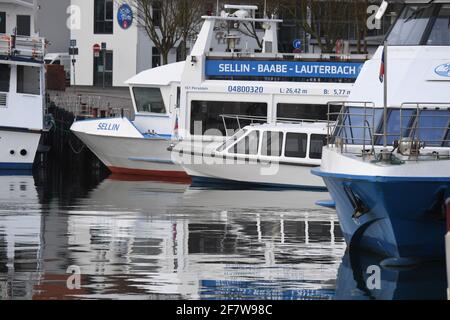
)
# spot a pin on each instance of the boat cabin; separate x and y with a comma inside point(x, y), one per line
point(287, 143)
point(22, 84)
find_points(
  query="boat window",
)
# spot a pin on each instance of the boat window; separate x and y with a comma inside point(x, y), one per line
point(440, 33)
point(305, 111)
point(149, 100)
point(411, 25)
point(28, 80)
point(393, 125)
point(232, 140)
point(5, 73)
point(357, 125)
point(206, 116)
point(272, 143)
point(247, 145)
point(431, 127)
point(316, 145)
point(296, 144)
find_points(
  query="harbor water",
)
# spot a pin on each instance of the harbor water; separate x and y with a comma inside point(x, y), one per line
point(131, 238)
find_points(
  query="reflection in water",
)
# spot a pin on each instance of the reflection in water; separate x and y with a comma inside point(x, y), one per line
point(357, 280)
point(144, 239)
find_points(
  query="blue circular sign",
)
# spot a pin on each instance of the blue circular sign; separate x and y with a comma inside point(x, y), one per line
point(297, 44)
point(125, 16)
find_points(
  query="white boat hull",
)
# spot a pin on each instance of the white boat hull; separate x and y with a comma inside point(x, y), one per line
point(206, 169)
point(125, 150)
point(18, 149)
point(125, 155)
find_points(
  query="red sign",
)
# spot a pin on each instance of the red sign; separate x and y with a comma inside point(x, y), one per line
point(96, 48)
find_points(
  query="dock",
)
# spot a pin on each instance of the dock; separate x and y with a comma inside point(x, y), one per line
point(79, 103)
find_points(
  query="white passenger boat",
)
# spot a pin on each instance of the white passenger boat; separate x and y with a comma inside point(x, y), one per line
point(260, 155)
point(22, 90)
point(185, 100)
point(387, 166)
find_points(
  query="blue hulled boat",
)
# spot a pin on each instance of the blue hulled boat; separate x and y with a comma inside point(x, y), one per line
point(387, 160)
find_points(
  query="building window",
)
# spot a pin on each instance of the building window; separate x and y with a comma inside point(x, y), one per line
point(2, 22)
point(28, 80)
point(23, 25)
point(103, 16)
point(149, 100)
point(156, 57)
point(156, 13)
point(5, 72)
point(296, 144)
point(207, 116)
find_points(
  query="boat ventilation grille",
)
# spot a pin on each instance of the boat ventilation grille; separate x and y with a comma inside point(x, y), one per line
point(3, 99)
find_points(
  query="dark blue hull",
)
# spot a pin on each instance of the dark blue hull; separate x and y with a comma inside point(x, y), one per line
point(394, 217)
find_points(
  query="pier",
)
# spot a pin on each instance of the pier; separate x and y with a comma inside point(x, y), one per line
point(79, 103)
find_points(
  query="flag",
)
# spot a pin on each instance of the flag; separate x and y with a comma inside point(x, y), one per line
point(381, 76)
point(175, 129)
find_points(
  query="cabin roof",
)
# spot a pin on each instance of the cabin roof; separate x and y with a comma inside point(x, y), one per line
point(159, 76)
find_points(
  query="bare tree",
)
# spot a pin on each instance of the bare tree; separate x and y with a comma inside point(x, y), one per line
point(168, 23)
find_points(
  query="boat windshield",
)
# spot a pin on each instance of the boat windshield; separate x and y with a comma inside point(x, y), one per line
point(232, 140)
point(421, 25)
point(357, 126)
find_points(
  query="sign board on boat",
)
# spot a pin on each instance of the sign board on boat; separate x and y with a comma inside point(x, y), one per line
point(298, 69)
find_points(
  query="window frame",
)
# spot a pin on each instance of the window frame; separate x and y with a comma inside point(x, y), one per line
point(281, 134)
point(9, 78)
point(150, 112)
point(104, 20)
point(3, 22)
point(427, 30)
point(307, 145)
point(33, 93)
point(246, 139)
point(28, 34)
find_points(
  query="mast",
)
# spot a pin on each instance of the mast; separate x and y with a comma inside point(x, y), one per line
point(385, 94)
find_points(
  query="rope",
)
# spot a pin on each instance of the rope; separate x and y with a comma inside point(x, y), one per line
point(73, 149)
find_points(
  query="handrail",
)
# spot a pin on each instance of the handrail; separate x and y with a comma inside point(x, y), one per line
point(410, 134)
point(262, 119)
point(21, 47)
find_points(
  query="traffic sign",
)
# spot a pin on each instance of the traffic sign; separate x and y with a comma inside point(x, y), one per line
point(73, 42)
point(73, 51)
point(96, 48)
point(297, 44)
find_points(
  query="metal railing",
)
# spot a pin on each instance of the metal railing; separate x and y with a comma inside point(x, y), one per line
point(20, 47)
point(413, 129)
point(245, 120)
point(87, 105)
point(337, 124)
point(290, 56)
point(363, 127)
